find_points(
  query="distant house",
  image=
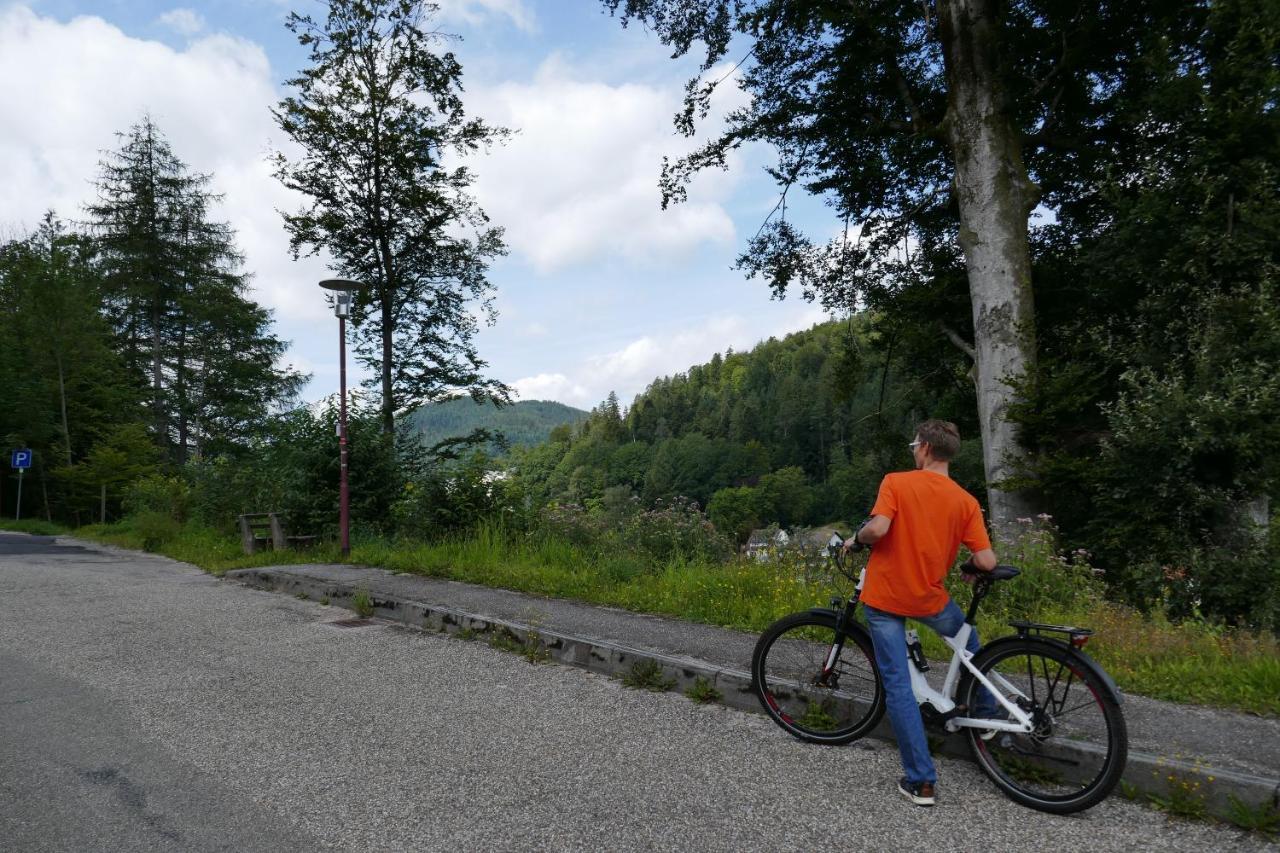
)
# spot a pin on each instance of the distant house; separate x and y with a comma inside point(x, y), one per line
point(770, 541)
point(765, 541)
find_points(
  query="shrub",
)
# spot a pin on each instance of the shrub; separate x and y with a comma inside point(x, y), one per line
point(171, 496)
point(155, 529)
point(676, 529)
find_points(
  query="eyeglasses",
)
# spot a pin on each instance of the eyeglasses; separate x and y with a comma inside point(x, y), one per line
point(913, 445)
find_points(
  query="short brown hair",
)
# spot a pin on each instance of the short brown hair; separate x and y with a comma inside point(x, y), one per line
point(942, 437)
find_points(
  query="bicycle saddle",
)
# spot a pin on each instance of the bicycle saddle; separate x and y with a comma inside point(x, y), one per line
point(999, 573)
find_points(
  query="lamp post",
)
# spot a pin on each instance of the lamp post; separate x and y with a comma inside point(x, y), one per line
point(343, 293)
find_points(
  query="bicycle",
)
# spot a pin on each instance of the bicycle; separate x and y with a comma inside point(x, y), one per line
point(815, 674)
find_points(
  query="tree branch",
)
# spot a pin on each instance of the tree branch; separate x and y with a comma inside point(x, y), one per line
point(963, 345)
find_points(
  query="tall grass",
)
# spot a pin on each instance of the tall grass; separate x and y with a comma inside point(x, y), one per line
point(1187, 662)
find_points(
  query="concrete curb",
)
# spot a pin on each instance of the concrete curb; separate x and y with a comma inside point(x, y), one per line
point(1159, 778)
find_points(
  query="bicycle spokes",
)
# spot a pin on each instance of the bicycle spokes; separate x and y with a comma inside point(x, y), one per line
point(1071, 749)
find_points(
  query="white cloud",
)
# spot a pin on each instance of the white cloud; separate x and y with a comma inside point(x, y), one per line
point(578, 182)
point(209, 99)
point(550, 386)
point(629, 369)
point(185, 22)
point(475, 12)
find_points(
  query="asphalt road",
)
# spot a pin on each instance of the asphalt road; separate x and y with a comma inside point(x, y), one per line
point(147, 706)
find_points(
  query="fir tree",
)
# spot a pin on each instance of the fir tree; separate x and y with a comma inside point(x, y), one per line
point(177, 300)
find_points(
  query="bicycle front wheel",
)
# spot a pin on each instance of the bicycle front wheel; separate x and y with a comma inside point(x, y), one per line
point(1077, 751)
point(819, 686)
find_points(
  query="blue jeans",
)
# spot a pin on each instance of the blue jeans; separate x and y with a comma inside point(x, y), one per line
point(889, 636)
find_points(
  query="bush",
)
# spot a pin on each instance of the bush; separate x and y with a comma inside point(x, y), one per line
point(676, 529)
point(171, 496)
point(155, 529)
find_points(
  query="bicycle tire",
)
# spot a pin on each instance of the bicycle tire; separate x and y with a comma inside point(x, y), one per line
point(1078, 752)
point(786, 665)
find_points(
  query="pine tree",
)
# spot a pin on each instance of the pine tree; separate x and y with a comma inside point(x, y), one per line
point(176, 298)
point(376, 114)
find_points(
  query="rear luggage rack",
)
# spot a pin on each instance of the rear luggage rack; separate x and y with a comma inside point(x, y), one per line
point(1079, 636)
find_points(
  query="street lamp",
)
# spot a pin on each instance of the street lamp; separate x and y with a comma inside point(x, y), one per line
point(343, 294)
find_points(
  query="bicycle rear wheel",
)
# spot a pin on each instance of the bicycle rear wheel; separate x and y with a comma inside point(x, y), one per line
point(817, 702)
point(1077, 752)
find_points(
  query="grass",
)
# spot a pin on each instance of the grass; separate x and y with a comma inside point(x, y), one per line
point(646, 674)
point(34, 526)
point(362, 604)
point(703, 691)
point(1190, 662)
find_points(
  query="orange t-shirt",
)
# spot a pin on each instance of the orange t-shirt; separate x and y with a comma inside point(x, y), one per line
point(931, 516)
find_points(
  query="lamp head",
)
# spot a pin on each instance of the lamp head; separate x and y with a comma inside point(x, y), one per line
point(343, 294)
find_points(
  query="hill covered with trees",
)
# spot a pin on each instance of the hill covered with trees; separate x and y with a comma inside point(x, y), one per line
point(521, 423)
point(795, 431)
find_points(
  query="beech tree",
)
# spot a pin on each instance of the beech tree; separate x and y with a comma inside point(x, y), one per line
point(931, 128)
point(379, 119)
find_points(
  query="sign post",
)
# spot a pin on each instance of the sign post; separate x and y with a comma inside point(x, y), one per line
point(20, 459)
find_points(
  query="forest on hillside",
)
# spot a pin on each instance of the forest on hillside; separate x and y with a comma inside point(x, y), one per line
point(521, 423)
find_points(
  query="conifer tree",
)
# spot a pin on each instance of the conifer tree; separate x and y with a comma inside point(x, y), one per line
point(177, 299)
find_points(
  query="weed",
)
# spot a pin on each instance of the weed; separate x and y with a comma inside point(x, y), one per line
point(302, 596)
point(530, 648)
point(362, 604)
point(646, 674)
point(467, 634)
point(506, 641)
point(1129, 791)
point(817, 716)
point(1264, 820)
point(324, 601)
point(1184, 798)
point(534, 651)
point(703, 691)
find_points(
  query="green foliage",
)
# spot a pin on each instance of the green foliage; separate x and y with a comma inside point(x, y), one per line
point(377, 117)
point(703, 692)
point(1264, 820)
point(648, 537)
point(362, 603)
point(774, 435)
point(522, 423)
point(647, 674)
point(34, 526)
point(446, 498)
point(169, 496)
point(155, 529)
point(177, 301)
point(1155, 412)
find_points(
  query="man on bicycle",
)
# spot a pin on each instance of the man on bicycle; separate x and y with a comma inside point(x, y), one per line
point(918, 523)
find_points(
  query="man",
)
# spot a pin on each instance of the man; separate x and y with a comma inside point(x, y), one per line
point(920, 519)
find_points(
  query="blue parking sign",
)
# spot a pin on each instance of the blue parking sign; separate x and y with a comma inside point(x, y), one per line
point(21, 459)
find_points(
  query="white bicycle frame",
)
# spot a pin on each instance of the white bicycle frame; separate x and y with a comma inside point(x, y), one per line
point(1019, 721)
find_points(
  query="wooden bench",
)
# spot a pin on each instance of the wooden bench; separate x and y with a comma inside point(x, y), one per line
point(262, 530)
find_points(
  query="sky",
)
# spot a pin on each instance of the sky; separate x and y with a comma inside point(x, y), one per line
point(601, 290)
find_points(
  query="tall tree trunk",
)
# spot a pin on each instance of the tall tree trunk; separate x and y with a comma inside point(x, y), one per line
point(180, 387)
point(388, 335)
point(157, 379)
point(62, 403)
point(996, 197)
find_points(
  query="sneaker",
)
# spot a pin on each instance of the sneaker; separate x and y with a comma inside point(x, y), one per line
point(920, 793)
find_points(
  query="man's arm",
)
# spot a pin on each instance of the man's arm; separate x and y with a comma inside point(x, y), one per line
point(984, 559)
point(871, 532)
